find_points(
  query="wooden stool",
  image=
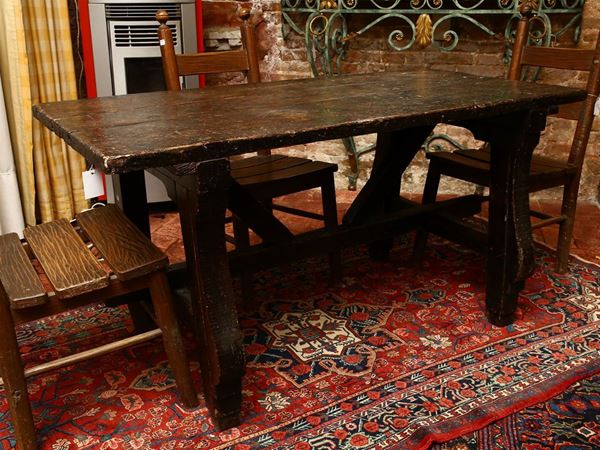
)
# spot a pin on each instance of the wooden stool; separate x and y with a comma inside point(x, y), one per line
point(78, 278)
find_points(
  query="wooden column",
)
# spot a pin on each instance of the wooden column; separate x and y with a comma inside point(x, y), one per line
point(221, 353)
point(510, 258)
point(130, 195)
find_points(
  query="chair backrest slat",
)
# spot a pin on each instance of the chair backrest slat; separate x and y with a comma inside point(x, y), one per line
point(213, 62)
point(570, 111)
point(558, 58)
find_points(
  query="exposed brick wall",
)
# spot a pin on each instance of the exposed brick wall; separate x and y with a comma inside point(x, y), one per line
point(476, 53)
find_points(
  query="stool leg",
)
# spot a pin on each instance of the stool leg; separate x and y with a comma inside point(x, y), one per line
point(432, 183)
point(15, 386)
point(172, 340)
point(242, 241)
point(331, 221)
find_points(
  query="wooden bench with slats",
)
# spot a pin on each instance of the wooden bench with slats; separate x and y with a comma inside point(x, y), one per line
point(115, 259)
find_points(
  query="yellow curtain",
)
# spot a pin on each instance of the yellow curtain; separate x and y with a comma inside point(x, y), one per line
point(57, 169)
point(14, 72)
point(36, 63)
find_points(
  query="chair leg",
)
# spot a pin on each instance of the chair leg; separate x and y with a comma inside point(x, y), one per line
point(242, 240)
point(15, 386)
point(330, 219)
point(432, 184)
point(565, 233)
point(172, 339)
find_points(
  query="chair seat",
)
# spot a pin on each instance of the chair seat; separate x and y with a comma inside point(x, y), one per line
point(268, 176)
point(473, 165)
point(275, 175)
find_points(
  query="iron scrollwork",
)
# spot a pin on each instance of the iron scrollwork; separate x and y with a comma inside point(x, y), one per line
point(421, 23)
point(423, 17)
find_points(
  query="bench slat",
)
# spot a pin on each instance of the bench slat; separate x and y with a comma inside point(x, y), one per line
point(69, 264)
point(20, 280)
point(128, 252)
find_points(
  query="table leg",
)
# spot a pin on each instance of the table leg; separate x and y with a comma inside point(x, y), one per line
point(510, 246)
point(130, 196)
point(221, 352)
point(394, 152)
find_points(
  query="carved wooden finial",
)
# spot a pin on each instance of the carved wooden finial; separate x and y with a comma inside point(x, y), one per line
point(162, 16)
point(244, 13)
point(527, 7)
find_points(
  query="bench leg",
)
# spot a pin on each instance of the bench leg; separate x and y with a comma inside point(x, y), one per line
point(172, 340)
point(15, 386)
point(432, 184)
point(130, 196)
point(242, 241)
point(331, 221)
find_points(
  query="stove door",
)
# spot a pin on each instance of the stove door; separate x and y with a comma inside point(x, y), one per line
point(135, 55)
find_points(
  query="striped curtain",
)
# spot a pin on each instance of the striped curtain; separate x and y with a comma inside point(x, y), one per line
point(57, 169)
point(42, 70)
point(14, 72)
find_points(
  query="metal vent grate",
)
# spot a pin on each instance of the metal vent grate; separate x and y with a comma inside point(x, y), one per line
point(142, 12)
point(140, 35)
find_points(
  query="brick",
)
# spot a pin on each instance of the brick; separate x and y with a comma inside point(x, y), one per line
point(222, 33)
point(400, 58)
point(489, 59)
point(450, 58)
point(219, 13)
point(592, 9)
point(491, 45)
point(558, 151)
point(589, 178)
point(594, 146)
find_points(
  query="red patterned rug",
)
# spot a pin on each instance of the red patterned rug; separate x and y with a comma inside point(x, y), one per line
point(569, 421)
point(394, 358)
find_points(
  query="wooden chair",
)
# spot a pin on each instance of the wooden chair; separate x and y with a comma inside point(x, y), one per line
point(264, 176)
point(78, 278)
point(474, 165)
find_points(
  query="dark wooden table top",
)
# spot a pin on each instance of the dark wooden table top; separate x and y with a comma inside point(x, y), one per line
point(156, 129)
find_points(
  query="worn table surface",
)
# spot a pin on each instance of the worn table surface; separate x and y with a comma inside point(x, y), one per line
point(125, 134)
point(156, 129)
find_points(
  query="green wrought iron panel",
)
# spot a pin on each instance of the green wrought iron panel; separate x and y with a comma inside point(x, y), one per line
point(423, 23)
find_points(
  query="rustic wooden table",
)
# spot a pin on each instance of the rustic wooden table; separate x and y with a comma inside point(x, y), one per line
point(123, 135)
